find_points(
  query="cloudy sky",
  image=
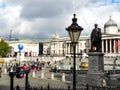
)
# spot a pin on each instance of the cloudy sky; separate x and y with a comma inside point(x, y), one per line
point(40, 19)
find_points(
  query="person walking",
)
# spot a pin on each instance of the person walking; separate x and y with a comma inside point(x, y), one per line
point(0, 71)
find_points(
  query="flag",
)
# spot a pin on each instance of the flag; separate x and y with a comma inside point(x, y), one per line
point(116, 44)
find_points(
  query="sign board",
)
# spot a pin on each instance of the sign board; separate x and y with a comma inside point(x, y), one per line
point(20, 47)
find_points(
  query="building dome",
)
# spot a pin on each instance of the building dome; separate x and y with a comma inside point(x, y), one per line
point(110, 22)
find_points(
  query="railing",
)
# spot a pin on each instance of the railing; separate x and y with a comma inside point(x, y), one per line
point(80, 87)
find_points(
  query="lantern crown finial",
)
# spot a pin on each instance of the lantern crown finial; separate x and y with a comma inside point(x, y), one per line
point(74, 15)
point(74, 30)
point(74, 18)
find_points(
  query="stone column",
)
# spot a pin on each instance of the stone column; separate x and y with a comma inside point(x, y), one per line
point(114, 47)
point(103, 45)
point(63, 77)
point(110, 46)
point(57, 52)
point(68, 48)
point(78, 47)
point(55, 49)
point(106, 46)
point(118, 45)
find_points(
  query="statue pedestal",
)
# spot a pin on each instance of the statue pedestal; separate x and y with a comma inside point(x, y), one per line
point(95, 75)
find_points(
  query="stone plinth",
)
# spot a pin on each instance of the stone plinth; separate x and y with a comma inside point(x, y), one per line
point(95, 75)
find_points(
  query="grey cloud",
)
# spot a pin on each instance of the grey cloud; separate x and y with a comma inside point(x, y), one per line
point(97, 3)
point(34, 36)
point(49, 16)
point(43, 30)
point(38, 11)
point(45, 9)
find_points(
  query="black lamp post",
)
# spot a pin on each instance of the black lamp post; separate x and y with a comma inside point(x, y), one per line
point(26, 80)
point(19, 57)
point(11, 74)
point(74, 31)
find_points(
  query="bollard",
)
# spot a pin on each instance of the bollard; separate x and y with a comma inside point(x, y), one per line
point(11, 74)
point(52, 76)
point(87, 87)
point(103, 82)
point(26, 80)
point(76, 67)
point(42, 75)
point(69, 87)
point(58, 67)
point(48, 87)
point(11, 70)
point(5, 71)
point(69, 66)
point(33, 74)
point(63, 77)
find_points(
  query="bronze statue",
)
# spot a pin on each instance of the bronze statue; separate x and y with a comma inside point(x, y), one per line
point(96, 39)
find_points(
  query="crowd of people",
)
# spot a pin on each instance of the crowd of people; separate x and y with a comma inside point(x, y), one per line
point(32, 66)
point(35, 66)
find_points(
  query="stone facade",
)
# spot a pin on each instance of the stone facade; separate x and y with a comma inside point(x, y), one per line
point(30, 48)
point(62, 46)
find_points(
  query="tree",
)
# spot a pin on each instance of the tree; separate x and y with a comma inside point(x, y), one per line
point(5, 49)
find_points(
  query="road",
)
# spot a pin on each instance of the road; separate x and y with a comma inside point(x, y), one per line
point(37, 81)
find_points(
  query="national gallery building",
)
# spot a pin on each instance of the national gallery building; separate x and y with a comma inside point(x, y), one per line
point(57, 46)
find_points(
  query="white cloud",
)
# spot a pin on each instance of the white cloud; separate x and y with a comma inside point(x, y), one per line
point(40, 19)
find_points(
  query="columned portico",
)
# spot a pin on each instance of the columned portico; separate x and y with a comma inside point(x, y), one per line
point(110, 46)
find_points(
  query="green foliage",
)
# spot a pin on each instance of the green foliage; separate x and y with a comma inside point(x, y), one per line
point(5, 49)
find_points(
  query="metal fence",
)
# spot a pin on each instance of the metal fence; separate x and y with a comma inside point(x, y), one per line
point(81, 87)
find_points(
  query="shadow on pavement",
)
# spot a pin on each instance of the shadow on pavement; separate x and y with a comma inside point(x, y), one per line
point(8, 88)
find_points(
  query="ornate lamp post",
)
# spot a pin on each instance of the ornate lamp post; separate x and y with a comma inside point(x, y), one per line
point(11, 74)
point(74, 31)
